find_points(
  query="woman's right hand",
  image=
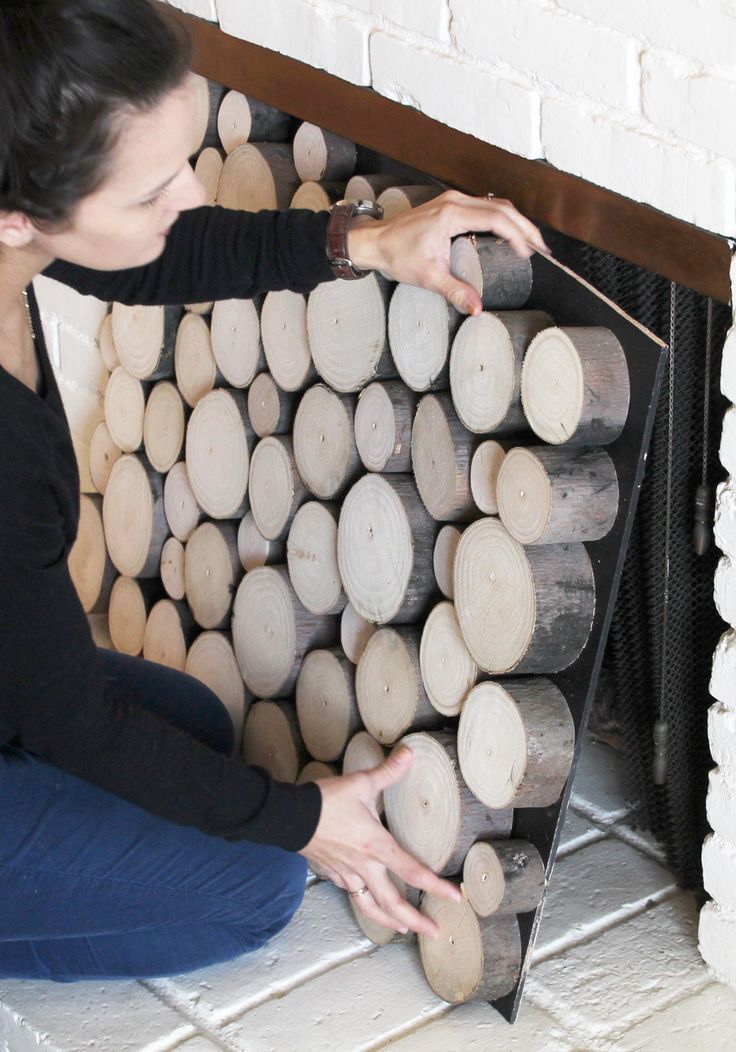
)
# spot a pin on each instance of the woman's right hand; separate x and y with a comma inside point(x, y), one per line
point(352, 847)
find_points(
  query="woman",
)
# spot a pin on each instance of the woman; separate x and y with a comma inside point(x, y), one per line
point(131, 844)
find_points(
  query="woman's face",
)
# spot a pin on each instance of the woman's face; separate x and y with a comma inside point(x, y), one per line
point(125, 222)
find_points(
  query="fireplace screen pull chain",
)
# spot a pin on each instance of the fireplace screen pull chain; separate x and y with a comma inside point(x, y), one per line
point(702, 528)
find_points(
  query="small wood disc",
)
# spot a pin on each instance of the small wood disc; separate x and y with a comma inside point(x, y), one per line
point(164, 425)
point(172, 568)
point(503, 877)
point(502, 279)
point(312, 559)
point(257, 177)
point(168, 631)
point(383, 422)
point(145, 337)
point(285, 340)
point(378, 934)
point(325, 703)
point(396, 200)
point(90, 568)
point(133, 516)
point(355, 631)
point(208, 170)
point(271, 739)
point(211, 660)
point(130, 603)
point(421, 327)
point(183, 514)
point(368, 187)
point(448, 670)
point(443, 560)
point(255, 549)
point(125, 406)
point(441, 452)
point(484, 469)
point(317, 197)
point(389, 688)
point(236, 340)
point(270, 410)
point(276, 490)
point(241, 119)
point(207, 97)
point(212, 571)
point(364, 753)
point(324, 443)
point(321, 154)
point(108, 351)
point(218, 447)
point(314, 771)
point(103, 452)
point(196, 372)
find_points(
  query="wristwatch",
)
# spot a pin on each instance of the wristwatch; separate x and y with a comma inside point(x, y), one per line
point(341, 216)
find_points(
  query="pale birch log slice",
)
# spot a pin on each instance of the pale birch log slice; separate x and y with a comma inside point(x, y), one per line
point(515, 742)
point(236, 340)
point(448, 670)
point(485, 368)
point(395, 200)
point(242, 119)
point(369, 187)
point(443, 559)
point(199, 308)
point(346, 323)
point(317, 197)
point(575, 386)
point(133, 517)
point(271, 739)
point(172, 568)
point(211, 660)
point(311, 554)
point(474, 958)
point(256, 550)
point(276, 490)
point(324, 441)
point(108, 351)
point(183, 514)
point(208, 170)
point(441, 452)
point(90, 567)
point(314, 771)
point(432, 813)
point(145, 338)
point(212, 572)
point(421, 328)
point(325, 703)
point(131, 601)
point(389, 688)
point(355, 631)
point(208, 98)
point(270, 410)
point(385, 541)
point(383, 422)
point(364, 753)
point(522, 609)
point(169, 631)
point(377, 933)
point(164, 426)
point(103, 452)
point(194, 362)
point(257, 177)
point(218, 449)
point(484, 469)
point(502, 279)
point(272, 631)
point(321, 154)
point(125, 407)
point(503, 877)
point(285, 340)
point(550, 496)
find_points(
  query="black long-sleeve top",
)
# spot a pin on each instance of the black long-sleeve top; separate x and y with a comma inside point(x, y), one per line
point(54, 700)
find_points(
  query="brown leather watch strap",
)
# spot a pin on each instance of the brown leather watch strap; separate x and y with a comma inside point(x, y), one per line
point(338, 226)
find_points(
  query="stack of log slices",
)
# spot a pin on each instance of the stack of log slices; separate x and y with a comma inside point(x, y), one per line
point(360, 518)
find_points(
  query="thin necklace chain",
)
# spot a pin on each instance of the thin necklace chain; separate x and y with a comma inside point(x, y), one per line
point(30, 325)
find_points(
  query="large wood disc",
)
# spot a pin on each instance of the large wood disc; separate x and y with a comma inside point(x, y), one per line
point(443, 559)
point(208, 95)
point(241, 119)
point(194, 362)
point(211, 660)
point(312, 558)
point(103, 452)
point(130, 603)
point(325, 703)
point(395, 200)
point(448, 670)
point(172, 569)
point(285, 340)
point(169, 630)
point(255, 549)
point(257, 177)
point(502, 279)
point(218, 447)
point(276, 490)
point(106, 341)
point(164, 425)
point(145, 339)
point(321, 154)
point(355, 631)
point(212, 572)
point(383, 422)
point(183, 514)
point(125, 406)
point(364, 753)
point(90, 567)
point(133, 516)
point(271, 739)
point(388, 684)
point(270, 410)
point(208, 170)
point(324, 441)
point(441, 452)
point(421, 327)
point(317, 197)
point(503, 877)
point(236, 340)
point(484, 469)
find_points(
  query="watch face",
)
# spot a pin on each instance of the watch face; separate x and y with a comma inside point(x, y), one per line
point(365, 208)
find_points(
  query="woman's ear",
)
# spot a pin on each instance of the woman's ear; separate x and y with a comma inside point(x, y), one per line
point(16, 230)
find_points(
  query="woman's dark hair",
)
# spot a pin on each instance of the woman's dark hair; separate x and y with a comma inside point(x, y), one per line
point(68, 70)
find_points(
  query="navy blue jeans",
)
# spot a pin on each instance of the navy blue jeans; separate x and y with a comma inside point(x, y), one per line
point(93, 886)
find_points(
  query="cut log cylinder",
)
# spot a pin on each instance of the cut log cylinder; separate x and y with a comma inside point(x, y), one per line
point(242, 119)
point(133, 516)
point(515, 742)
point(383, 422)
point(183, 514)
point(325, 703)
point(398, 199)
point(346, 323)
point(103, 452)
point(474, 958)
point(324, 441)
point(272, 631)
point(321, 154)
point(504, 877)
point(172, 569)
point(164, 426)
point(355, 631)
point(575, 386)
point(484, 469)
point(443, 559)
point(389, 688)
point(255, 549)
point(260, 176)
point(125, 407)
point(421, 328)
point(364, 753)
point(131, 601)
point(236, 340)
point(448, 670)
point(314, 771)
point(369, 187)
point(90, 567)
point(208, 170)
point(108, 351)
point(317, 197)
point(212, 572)
point(208, 98)
point(169, 631)
point(548, 496)
point(219, 444)
point(211, 660)
point(485, 368)
point(432, 813)
point(145, 338)
point(194, 363)
point(270, 410)
point(271, 739)
point(441, 452)
point(522, 609)
point(276, 490)
point(502, 279)
point(285, 340)
point(385, 541)
point(312, 558)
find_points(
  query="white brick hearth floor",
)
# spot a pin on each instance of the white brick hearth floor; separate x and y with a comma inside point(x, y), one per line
point(616, 967)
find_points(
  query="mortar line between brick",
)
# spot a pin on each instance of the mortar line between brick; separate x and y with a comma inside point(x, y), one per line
point(162, 989)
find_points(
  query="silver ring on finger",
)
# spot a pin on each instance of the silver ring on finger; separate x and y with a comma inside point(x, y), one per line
point(359, 891)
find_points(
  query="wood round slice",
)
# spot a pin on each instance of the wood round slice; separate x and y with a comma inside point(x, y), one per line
point(522, 609)
point(314, 771)
point(183, 514)
point(421, 328)
point(241, 119)
point(355, 632)
point(208, 96)
point(385, 541)
point(383, 422)
point(325, 703)
point(212, 572)
point(208, 171)
point(276, 490)
point(441, 453)
point(346, 322)
point(199, 308)
point(236, 341)
point(484, 469)
point(108, 351)
point(255, 549)
point(443, 559)
point(369, 187)
point(90, 567)
point(172, 568)
point(389, 688)
point(194, 362)
point(377, 933)
point(503, 877)
point(515, 742)
point(271, 739)
point(145, 338)
point(270, 410)
point(474, 958)
point(218, 447)
point(398, 199)
point(317, 197)
point(211, 660)
point(103, 452)
point(502, 279)
point(364, 753)
point(258, 177)
point(321, 154)
point(285, 340)
point(130, 603)
point(575, 386)
point(164, 424)
point(125, 406)
point(324, 441)
point(312, 558)
point(448, 671)
point(169, 630)
point(133, 516)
